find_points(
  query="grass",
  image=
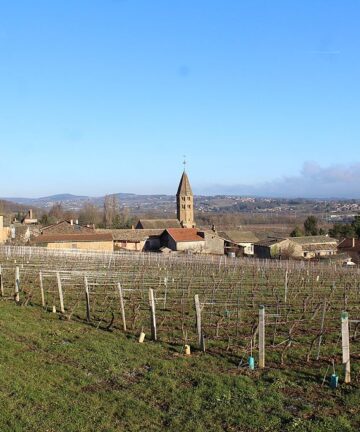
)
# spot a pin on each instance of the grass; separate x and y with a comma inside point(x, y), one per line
point(58, 375)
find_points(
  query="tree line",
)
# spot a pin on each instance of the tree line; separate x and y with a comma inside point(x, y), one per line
point(339, 230)
point(111, 215)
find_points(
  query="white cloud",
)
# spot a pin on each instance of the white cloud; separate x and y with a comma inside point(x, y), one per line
point(314, 181)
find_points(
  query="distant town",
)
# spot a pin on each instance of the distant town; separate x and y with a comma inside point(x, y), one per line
point(329, 209)
point(266, 228)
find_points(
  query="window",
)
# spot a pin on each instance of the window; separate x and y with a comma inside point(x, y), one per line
point(189, 206)
point(188, 198)
point(183, 206)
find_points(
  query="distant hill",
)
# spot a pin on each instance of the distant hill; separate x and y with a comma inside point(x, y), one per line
point(75, 202)
point(165, 205)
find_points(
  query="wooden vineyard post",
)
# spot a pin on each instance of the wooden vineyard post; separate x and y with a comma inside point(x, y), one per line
point(152, 314)
point(165, 292)
point(201, 339)
point(61, 298)
point(87, 299)
point(122, 307)
point(17, 284)
point(42, 289)
point(321, 330)
point(1, 283)
point(262, 337)
point(345, 345)
point(286, 287)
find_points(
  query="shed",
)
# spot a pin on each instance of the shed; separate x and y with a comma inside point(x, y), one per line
point(183, 239)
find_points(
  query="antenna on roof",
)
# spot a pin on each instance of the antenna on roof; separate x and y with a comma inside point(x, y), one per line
point(184, 163)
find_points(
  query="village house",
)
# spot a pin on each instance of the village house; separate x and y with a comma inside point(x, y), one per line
point(29, 218)
point(350, 246)
point(136, 240)
point(87, 241)
point(314, 246)
point(214, 244)
point(16, 233)
point(4, 231)
point(270, 247)
point(306, 247)
point(239, 242)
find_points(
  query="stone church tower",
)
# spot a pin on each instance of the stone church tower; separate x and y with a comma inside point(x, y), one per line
point(185, 203)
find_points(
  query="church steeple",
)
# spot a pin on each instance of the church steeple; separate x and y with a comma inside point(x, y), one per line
point(185, 202)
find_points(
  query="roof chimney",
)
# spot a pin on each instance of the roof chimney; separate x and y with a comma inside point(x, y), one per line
point(353, 242)
point(71, 222)
point(30, 214)
point(77, 222)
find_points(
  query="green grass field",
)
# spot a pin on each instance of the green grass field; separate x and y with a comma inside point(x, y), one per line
point(57, 375)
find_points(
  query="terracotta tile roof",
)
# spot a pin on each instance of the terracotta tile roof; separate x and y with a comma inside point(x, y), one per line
point(65, 227)
point(350, 243)
point(63, 238)
point(184, 234)
point(184, 185)
point(157, 224)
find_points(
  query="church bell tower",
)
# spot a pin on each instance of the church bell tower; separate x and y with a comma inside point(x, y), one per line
point(185, 202)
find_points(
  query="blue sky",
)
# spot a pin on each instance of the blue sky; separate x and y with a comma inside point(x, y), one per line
point(100, 96)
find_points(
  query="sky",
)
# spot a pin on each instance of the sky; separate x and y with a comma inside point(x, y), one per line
point(107, 96)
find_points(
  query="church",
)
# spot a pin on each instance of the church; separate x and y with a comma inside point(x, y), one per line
point(181, 234)
point(184, 210)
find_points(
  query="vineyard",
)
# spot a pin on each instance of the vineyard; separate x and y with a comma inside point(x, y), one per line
point(289, 310)
point(279, 312)
point(70, 325)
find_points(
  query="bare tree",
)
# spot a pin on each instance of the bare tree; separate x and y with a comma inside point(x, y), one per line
point(57, 211)
point(89, 214)
point(111, 210)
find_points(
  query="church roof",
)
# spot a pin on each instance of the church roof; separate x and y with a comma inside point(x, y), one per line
point(184, 186)
point(157, 224)
point(131, 235)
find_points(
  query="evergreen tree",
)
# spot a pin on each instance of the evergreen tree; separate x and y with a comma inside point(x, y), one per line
point(296, 232)
point(311, 226)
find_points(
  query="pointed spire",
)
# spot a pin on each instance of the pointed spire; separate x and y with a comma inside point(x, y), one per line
point(184, 186)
